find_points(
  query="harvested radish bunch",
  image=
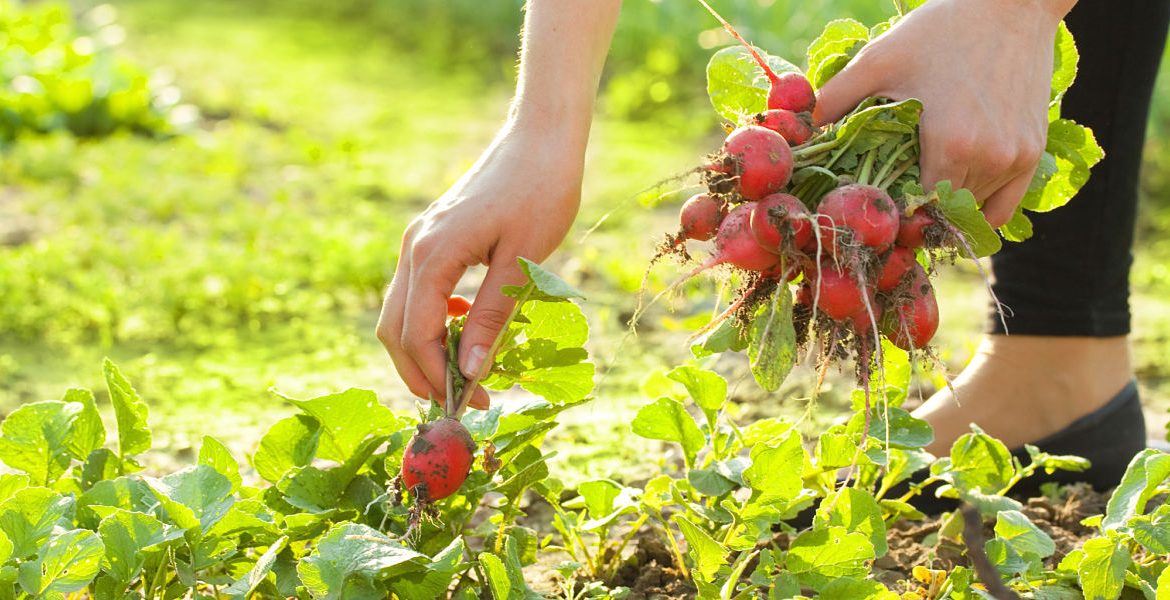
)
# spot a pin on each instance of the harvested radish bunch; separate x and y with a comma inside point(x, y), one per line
point(825, 231)
point(437, 459)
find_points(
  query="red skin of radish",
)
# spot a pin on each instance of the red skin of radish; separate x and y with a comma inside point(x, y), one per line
point(735, 244)
point(912, 324)
point(791, 91)
point(791, 126)
point(912, 230)
point(457, 306)
point(700, 217)
point(840, 296)
point(865, 210)
point(438, 457)
point(763, 160)
point(900, 261)
point(778, 216)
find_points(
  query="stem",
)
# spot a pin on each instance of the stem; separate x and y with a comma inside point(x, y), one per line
point(885, 170)
point(866, 167)
point(626, 540)
point(900, 6)
point(735, 34)
point(678, 555)
point(902, 168)
point(489, 359)
point(807, 151)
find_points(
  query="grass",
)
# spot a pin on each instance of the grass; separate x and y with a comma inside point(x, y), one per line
point(252, 252)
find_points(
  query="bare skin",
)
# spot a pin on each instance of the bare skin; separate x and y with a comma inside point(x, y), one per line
point(519, 199)
point(1022, 388)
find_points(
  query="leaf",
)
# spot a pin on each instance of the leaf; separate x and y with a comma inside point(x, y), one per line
point(1145, 473)
point(560, 384)
point(724, 338)
point(819, 556)
point(125, 536)
point(505, 577)
point(216, 455)
point(87, 432)
point(127, 492)
point(1065, 58)
point(350, 558)
point(1075, 151)
point(857, 589)
point(548, 287)
point(775, 473)
point(707, 388)
point(1102, 570)
point(550, 361)
point(1153, 531)
point(29, 517)
point(962, 212)
point(434, 581)
point(772, 342)
point(35, 439)
point(1164, 585)
point(737, 85)
point(706, 554)
point(67, 563)
point(1023, 536)
point(904, 431)
point(347, 419)
point(10, 483)
point(130, 412)
point(832, 50)
point(667, 420)
point(980, 462)
point(195, 498)
point(290, 442)
point(855, 510)
point(243, 587)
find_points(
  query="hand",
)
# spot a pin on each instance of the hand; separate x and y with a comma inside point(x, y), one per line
point(519, 199)
point(983, 71)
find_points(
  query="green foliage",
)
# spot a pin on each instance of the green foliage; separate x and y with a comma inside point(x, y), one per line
point(67, 75)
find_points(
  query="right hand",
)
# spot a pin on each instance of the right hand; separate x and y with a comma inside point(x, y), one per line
point(519, 199)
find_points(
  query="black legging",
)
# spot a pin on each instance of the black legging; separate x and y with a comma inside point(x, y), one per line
point(1072, 277)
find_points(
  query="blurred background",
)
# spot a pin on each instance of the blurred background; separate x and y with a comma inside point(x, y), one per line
point(212, 194)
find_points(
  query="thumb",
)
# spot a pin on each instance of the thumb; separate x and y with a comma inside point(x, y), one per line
point(845, 91)
point(488, 314)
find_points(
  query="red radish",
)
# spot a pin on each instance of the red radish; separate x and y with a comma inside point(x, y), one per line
point(861, 322)
point(912, 232)
point(735, 244)
point(786, 92)
point(791, 91)
point(912, 324)
point(865, 210)
point(762, 160)
point(700, 217)
point(899, 262)
point(781, 218)
point(437, 459)
point(795, 129)
point(840, 296)
point(457, 306)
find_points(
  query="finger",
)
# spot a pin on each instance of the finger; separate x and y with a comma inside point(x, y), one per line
point(432, 279)
point(489, 313)
point(1001, 205)
point(856, 82)
point(389, 330)
point(942, 155)
point(479, 399)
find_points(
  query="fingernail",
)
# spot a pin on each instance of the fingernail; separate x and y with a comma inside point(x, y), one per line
point(473, 361)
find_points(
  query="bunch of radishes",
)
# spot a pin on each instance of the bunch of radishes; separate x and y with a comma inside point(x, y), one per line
point(855, 254)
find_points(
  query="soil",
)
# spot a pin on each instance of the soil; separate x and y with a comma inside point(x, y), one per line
point(649, 573)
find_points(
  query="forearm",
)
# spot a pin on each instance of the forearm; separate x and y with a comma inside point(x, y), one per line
point(564, 47)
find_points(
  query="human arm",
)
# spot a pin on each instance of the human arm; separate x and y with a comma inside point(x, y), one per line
point(519, 199)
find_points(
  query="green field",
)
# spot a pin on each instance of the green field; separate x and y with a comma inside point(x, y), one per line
point(251, 251)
